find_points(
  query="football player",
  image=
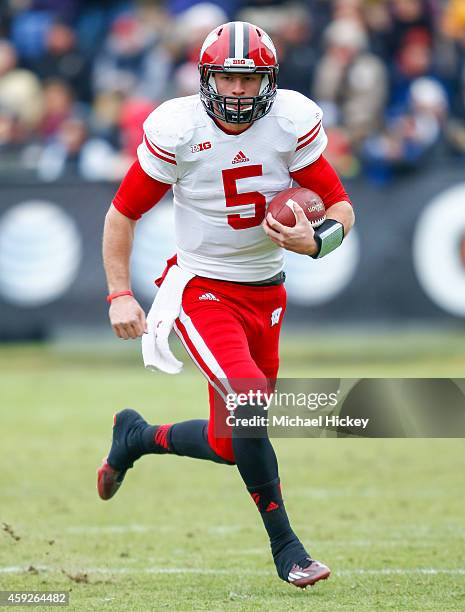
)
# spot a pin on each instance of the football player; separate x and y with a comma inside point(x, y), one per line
point(225, 152)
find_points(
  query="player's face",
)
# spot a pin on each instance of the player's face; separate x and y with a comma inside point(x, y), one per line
point(237, 84)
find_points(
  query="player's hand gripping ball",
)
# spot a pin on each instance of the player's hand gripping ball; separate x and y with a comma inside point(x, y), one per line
point(281, 206)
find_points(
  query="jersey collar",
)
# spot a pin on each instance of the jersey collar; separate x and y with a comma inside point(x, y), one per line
point(230, 132)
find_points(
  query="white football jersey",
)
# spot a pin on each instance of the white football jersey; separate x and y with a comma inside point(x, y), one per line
point(222, 183)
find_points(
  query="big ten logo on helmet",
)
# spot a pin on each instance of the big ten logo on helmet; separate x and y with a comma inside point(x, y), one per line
point(203, 146)
point(231, 62)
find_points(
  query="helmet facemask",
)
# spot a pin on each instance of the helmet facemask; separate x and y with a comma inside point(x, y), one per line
point(233, 109)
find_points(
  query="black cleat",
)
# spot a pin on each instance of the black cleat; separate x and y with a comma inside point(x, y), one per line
point(108, 480)
point(124, 451)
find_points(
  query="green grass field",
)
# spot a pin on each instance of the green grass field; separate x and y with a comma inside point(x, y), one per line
point(386, 515)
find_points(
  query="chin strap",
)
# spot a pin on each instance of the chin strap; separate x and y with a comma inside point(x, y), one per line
point(328, 237)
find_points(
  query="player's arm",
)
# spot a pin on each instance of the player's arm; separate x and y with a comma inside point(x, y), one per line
point(344, 213)
point(146, 182)
point(137, 194)
point(321, 178)
point(310, 169)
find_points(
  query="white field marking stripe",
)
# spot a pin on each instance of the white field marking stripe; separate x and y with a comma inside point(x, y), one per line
point(203, 350)
point(224, 529)
point(229, 529)
point(337, 544)
point(324, 493)
point(239, 40)
point(212, 382)
point(16, 569)
point(114, 529)
point(387, 571)
point(420, 571)
point(91, 529)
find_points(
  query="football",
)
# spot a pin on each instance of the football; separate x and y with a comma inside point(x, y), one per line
point(281, 206)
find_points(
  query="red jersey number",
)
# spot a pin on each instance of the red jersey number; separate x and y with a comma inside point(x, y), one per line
point(230, 178)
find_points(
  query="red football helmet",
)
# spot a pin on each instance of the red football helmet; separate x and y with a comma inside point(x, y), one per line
point(238, 46)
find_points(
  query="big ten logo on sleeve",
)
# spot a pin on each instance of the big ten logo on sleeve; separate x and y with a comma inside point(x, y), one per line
point(203, 146)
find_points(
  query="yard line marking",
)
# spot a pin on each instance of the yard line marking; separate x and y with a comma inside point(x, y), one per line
point(211, 571)
point(338, 544)
point(90, 529)
point(372, 492)
point(113, 529)
point(224, 529)
point(386, 571)
point(16, 569)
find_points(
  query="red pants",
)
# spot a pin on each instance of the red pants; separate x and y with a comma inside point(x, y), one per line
point(231, 331)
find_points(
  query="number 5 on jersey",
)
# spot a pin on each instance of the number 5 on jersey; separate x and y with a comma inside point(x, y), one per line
point(230, 178)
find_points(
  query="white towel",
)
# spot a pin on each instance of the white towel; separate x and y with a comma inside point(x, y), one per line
point(165, 309)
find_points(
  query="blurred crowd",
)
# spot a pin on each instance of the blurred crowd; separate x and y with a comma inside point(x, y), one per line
point(78, 77)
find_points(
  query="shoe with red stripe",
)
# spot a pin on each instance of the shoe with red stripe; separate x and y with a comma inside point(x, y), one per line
point(303, 577)
point(124, 450)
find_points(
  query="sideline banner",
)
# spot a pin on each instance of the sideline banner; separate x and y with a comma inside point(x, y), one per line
point(404, 261)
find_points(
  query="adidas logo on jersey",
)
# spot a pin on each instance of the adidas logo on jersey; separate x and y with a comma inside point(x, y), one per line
point(240, 158)
point(209, 296)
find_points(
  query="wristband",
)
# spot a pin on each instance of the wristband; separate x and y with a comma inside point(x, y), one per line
point(118, 294)
point(328, 237)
